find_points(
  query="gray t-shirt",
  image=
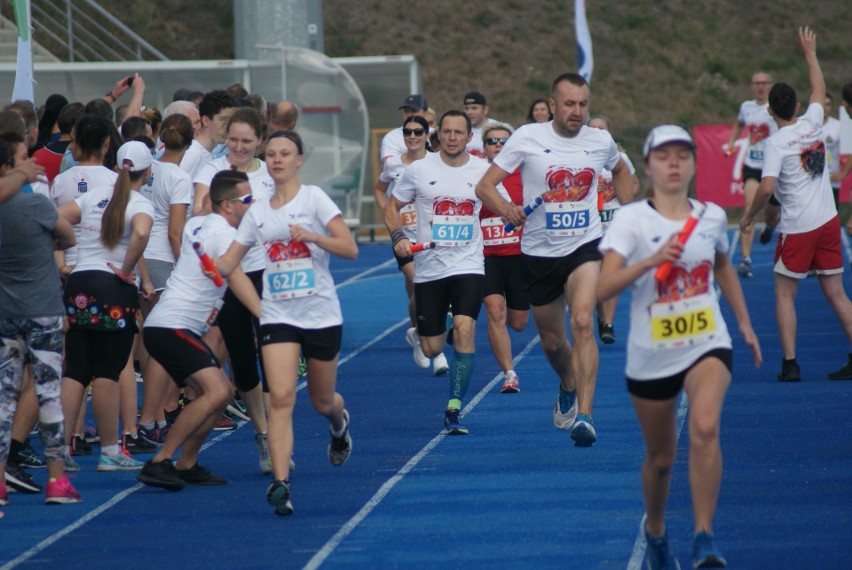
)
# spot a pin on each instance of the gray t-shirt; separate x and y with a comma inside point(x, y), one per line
point(29, 279)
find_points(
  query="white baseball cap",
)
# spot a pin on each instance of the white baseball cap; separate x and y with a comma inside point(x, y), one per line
point(134, 154)
point(665, 134)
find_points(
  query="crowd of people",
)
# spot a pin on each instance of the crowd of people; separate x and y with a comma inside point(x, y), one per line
point(176, 242)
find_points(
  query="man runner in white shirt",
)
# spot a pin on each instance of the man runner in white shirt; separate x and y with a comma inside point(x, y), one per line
point(560, 162)
point(453, 273)
point(795, 169)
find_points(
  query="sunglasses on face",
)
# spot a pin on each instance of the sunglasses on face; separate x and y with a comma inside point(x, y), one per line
point(415, 132)
point(495, 140)
point(243, 199)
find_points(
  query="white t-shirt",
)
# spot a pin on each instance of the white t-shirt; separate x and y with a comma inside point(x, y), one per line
point(194, 157)
point(393, 143)
point(831, 128)
point(167, 185)
point(91, 253)
point(564, 172)
point(796, 156)
point(758, 125)
point(262, 187)
point(447, 213)
point(675, 322)
point(391, 172)
point(191, 300)
point(75, 181)
point(608, 202)
point(298, 289)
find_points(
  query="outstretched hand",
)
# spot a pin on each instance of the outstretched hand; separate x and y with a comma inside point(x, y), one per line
point(807, 40)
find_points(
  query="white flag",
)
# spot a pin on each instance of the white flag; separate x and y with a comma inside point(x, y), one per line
point(23, 89)
point(585, 63)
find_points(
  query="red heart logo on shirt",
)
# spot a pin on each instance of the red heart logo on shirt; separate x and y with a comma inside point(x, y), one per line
point(683, 283)
point(568, 185)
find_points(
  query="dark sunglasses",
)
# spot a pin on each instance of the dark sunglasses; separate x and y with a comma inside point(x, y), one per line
point(415, 132)
point(244, 199)
point(495, 140)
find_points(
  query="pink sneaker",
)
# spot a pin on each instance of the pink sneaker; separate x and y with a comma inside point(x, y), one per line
point(4, 497)
point(61, 492)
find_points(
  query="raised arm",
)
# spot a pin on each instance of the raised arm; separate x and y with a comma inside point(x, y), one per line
point(807, 40)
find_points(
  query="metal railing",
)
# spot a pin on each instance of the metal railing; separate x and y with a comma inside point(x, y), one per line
point(82, 30)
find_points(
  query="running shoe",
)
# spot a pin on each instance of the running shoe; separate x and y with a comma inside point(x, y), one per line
point(198, 475)
point(90, 434)
point(161, 474)
point(511, 385)
point(27, 457)
point(606, 332)
point(583, 433)
point(231, 415)
point(120, 462)
point(70, 464)
point(440, 366)
point(79, 446)
point(225, 424)
point(154, 436)
point(19, 480)
point(789, 371)
point(4, 495)
point(706, 553)
point(237, 410)
point(138, 444)
point(265, 461)
point(453, 424)
point(340, 446)
point(844, 373)
point(766, 234)
point(660, 556)
point(278, 495)
point(565, 409)
point(744, 268)
point(61, 492)
point(302, 370)
point(420, 359)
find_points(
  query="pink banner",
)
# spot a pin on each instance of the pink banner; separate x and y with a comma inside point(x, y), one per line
point(718, 177)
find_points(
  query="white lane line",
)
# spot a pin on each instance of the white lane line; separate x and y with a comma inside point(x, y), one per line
point(639, 545)
point(329, 547)
point(370, 271)
point(127, 492)
point(92, 514)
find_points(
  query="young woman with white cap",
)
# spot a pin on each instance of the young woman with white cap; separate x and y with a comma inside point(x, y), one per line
point(678, 338)
point(101, 297)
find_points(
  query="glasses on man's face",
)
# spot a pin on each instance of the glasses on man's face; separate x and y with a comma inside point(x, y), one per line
point(413, 132)
point(494, 140)
point(761, 83)
point(242, 199)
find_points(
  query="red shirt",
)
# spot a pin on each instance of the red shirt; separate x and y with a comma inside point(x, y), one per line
point(495, 239)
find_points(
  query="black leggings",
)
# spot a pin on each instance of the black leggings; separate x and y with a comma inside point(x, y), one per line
point(240, 330)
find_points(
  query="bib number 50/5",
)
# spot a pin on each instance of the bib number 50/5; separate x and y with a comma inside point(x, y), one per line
point(566, 218)
point(291, 279)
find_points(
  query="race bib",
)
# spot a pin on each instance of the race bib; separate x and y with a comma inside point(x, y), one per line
point(608, 213)
point(494, 232)
point(409, 217)
point(452, 231)
point(755, 154)
point(685, 322)
point(566, 218)
point(290, 278)
point(214, 312)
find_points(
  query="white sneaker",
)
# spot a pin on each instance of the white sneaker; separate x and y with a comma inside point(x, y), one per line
point(565, 420)
point(440, 366)
point(413, 341)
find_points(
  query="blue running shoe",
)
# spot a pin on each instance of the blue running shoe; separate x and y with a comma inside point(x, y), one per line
point(278, 495)
point(583, 433)
point(120, 462)
point(705, 552)
point(659, 555)
point(453, 423)
point(565, 409)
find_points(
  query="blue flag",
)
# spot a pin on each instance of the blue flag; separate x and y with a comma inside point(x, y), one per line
point(585, 62)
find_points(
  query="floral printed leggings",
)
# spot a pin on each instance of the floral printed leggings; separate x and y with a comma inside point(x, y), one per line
point(39, 340)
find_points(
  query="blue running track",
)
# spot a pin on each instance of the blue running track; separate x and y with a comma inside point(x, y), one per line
point(514, 493)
